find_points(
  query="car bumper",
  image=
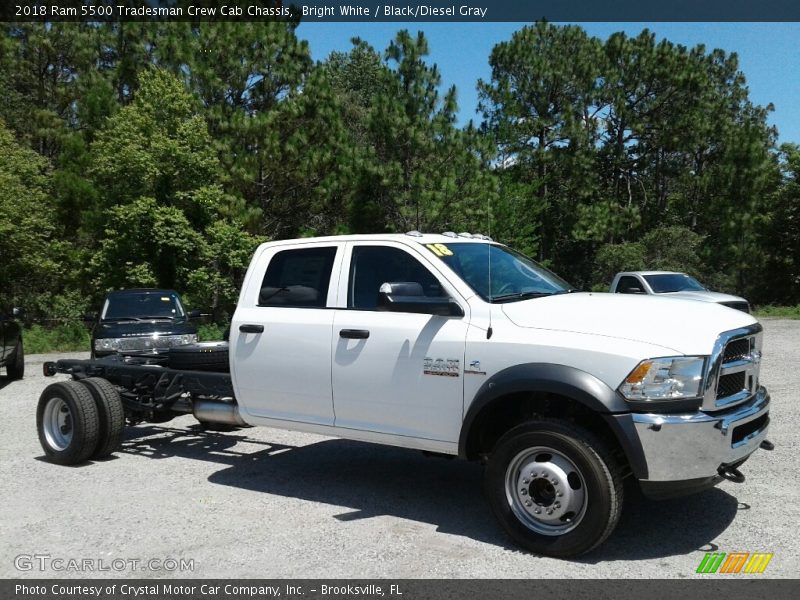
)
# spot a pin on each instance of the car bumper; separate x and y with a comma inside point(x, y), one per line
point(685, 452)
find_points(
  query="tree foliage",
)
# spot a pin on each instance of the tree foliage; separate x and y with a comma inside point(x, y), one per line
point(143, 154)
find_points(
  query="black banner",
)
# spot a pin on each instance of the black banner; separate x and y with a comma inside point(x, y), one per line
point(398, 10)
point(727, 588)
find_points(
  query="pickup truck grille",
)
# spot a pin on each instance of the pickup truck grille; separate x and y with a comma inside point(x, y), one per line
point(733, 370)
point(743, 306)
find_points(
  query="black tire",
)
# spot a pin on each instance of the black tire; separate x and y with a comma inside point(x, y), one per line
point(205, 356)
point(111, 414)
point(68, 423)
point(521, 479)
point(16, 368)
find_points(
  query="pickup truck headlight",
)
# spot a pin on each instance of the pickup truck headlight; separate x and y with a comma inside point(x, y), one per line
point(670, 378)
point(107, 344)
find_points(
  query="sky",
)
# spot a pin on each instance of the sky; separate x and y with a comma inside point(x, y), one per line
point(769, 54)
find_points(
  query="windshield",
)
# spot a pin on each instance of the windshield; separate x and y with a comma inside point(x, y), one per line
point(665, 283)
point(142, 305)
point(513, 275)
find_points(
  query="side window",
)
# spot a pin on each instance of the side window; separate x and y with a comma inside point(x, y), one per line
point(298, 278)
point(372, 266)
point(627, 283)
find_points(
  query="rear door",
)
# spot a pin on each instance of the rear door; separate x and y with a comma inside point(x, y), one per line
point(393, 372)
point(281, 332)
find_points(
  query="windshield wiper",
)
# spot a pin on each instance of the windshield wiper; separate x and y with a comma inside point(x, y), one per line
point(122, 319)
point(527, 295)
point(520, 296)
point(156, 318)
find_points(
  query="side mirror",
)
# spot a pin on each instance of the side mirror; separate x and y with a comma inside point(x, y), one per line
point(89, 318)
point(408, 296)
point(194, 314)
point(18, 312)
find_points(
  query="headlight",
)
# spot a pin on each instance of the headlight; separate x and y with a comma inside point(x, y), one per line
point(188, 339)
point(107, 344)
point(671, 378)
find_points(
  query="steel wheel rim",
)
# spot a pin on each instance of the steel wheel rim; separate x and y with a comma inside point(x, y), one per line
point(546, 491)
point(57, 424)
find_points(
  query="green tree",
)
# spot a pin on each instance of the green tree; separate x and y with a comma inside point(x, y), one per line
point(26, 223)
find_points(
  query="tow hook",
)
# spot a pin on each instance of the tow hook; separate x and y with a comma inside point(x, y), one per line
point(731, 474)
point(767, 445)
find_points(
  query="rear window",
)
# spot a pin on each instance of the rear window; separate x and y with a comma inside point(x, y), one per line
point(298, 278)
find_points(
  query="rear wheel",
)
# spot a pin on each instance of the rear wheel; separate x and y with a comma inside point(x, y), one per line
point(68, 423)
point(110, 412)
point(554, 487)
point(16, 368)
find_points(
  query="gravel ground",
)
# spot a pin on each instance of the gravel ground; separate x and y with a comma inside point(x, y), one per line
point(268, 503)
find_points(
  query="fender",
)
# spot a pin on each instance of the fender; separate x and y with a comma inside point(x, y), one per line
point(578, 385)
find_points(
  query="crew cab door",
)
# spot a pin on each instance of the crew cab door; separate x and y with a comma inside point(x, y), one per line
point(280, 339)
point(396, 372)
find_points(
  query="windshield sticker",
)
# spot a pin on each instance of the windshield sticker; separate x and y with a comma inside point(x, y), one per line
point(439, 249)
point(164, 299)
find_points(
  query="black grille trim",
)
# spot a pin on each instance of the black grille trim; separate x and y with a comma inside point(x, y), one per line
point(742, 306)
point(743, 431)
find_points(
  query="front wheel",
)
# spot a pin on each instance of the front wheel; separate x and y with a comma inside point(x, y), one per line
point(554, 487)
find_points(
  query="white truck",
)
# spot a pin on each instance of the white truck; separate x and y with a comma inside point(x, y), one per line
point(456, 345)
point(671, 284)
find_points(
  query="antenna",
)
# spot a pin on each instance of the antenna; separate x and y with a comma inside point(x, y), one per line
point(491, 305)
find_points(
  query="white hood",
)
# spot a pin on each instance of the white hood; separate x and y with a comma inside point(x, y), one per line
point(704, 296)
point(684, 326)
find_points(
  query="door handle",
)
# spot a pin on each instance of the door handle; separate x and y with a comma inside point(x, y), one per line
point(247, 328)
point(354, 334)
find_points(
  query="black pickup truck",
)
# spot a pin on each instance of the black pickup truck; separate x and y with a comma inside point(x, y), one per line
point(12, 355)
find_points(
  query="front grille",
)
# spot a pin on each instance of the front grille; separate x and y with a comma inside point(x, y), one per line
point(736, 350)
point(748, 429)
point(743, 306)
point(731, 384)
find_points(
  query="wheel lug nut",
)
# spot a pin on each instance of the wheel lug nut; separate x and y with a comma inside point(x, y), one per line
point(524, 492)
point(528, 503)
point(538, 511)
point(526, 481)
point(549, 511)
point(559, 493)
point(555, 481)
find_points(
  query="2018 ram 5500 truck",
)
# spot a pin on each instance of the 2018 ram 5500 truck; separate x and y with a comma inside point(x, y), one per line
point(457, 345)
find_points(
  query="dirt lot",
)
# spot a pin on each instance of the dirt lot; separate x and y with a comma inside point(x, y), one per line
point(268, 503)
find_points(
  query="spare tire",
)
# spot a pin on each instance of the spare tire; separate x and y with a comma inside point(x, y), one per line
point(204, 356)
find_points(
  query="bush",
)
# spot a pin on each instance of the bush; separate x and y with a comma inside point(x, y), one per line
point(784, 312)
point(71, 336)
point(211, 332)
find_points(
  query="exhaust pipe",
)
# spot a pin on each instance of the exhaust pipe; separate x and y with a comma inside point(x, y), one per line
point(217, 411)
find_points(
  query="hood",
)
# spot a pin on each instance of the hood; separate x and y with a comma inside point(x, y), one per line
point(683, 326)
point(115, 329)
point(703, 296)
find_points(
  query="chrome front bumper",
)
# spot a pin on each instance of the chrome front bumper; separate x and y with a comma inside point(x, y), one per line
point(693, 446)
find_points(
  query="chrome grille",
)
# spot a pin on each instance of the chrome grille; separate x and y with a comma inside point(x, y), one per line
point(733, 369)
point(731, 384)
point(737, 350)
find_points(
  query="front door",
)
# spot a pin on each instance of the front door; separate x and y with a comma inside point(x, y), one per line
point(397, 373)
